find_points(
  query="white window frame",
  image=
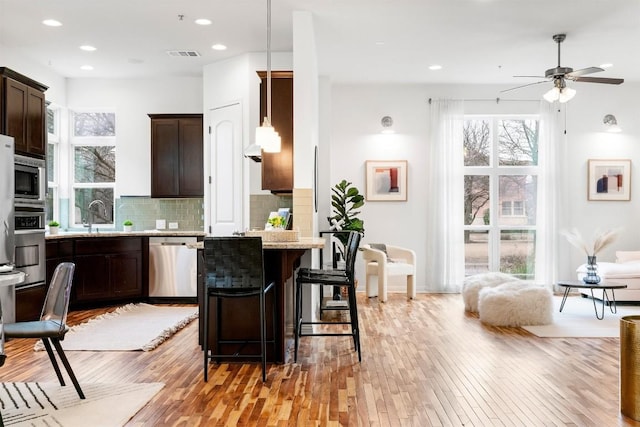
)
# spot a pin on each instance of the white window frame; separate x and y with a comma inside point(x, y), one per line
point(87, 141)
point(494, 170)
point(55, 140)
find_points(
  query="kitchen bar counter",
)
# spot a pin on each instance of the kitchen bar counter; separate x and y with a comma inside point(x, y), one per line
point(302, 243)
point(240, 318)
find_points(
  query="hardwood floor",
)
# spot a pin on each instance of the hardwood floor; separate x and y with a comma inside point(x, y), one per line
point(424, 363)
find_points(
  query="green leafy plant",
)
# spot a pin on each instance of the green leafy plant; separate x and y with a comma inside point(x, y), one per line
point(276, 221)
point(54, 224)
point(127, 222)
point(346, 200)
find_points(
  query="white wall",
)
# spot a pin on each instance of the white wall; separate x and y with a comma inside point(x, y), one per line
point(355, 114)
point(57, 84)
point(132, 100)
point(586, 140)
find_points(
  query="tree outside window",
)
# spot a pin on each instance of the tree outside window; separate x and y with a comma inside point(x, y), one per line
point(94, 168)
point(501, 167)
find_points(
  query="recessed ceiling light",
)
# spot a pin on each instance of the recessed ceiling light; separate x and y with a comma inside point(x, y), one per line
point(606, 65)
point(218, 46)
point(86, 67)
point(435, 67)
point(52, 23)
point(203, 21)
point(87, 48)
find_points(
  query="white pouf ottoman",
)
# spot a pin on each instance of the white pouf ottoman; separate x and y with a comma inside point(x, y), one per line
point(473, 284)
point(516, 304)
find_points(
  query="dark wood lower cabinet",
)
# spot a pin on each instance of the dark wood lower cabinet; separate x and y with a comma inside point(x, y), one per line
point(107, 269)
point(29, 302)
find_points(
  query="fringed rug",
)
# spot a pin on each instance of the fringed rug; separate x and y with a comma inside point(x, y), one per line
point(130, 327)
point(50, 404)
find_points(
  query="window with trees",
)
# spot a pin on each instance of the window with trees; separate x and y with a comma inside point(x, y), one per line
point(93, 141)
point(500, 194)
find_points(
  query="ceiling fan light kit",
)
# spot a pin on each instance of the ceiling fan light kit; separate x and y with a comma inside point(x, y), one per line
point(559, 75)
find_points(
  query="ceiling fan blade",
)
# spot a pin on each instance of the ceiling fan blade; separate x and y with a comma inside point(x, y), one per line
point(583, 71)
point(520, 87)
point(606, 80)
point(533, 77)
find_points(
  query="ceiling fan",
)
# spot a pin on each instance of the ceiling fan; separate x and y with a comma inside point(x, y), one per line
point(559, 75)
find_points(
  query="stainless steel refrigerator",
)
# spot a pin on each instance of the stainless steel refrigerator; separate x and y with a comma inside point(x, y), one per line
point(7, 190)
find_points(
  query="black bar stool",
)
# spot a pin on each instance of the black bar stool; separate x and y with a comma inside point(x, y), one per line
point(340, 278)
point(234, 268)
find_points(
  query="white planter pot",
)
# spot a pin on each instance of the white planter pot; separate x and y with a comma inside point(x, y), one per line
point(127, 228)
point(53, 230)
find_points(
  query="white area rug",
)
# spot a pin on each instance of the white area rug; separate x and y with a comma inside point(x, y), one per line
point(578, 319)
point(130, 327)
point(50, 404)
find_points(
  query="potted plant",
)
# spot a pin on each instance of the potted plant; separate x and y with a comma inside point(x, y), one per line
point(127, 226)
point(54, 227)
point(346, 200)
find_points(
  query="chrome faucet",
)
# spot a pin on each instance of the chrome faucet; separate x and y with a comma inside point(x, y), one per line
point(91, 213)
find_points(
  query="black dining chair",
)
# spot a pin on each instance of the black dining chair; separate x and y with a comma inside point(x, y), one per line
point(52, 327)
point(341, 278)
point(234, 268)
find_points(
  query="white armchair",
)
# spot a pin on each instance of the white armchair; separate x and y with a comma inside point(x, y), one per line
point(384, 261)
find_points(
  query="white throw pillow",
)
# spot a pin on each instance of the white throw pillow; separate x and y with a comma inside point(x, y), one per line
point(627, 256)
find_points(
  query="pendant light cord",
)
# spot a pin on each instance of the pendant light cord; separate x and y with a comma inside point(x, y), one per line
point(269, 61)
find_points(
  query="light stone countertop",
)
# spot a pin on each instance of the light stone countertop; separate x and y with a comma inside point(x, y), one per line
point(149, 233)
point(301, 243)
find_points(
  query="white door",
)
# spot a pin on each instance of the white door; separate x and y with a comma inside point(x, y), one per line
point(226, 199)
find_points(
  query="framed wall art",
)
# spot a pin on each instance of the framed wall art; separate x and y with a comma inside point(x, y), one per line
point(386, 180)
point(609, 180)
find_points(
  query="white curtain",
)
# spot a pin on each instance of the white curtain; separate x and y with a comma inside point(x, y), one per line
point(445, 214)
point(553, 184)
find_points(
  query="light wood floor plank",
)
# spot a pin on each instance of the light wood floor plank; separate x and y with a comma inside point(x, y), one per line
point(424, 363)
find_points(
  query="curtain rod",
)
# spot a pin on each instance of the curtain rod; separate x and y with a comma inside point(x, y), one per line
point(497, 100)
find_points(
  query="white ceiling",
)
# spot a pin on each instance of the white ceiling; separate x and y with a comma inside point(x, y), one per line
point(475, 41)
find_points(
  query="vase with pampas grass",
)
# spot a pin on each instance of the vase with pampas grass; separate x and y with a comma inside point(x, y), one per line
point(601, 240)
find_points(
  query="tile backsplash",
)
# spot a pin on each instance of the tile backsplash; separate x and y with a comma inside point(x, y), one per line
point(144, 211)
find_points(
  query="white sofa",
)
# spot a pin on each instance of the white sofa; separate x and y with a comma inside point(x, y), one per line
point(625, 270)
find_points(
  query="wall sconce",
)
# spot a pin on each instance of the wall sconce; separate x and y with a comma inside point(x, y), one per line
point(387, 123)
point(611, 124)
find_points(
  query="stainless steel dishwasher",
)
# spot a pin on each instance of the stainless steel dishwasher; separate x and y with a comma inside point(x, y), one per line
point(173, 267)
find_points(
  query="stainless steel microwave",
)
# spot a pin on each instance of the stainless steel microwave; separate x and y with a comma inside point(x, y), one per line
point(30, 181)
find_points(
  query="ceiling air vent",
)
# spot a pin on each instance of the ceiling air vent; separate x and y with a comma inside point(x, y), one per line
point(183, 53)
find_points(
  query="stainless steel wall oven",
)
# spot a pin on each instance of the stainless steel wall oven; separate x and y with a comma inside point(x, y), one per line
point(30, 256)
point(30, 196)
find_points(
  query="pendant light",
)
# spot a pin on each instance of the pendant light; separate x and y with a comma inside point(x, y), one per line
point(266, 136)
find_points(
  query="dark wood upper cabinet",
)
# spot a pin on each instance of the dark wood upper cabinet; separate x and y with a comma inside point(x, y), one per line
point(23, 112)
point(176, 155)
point(277, 168)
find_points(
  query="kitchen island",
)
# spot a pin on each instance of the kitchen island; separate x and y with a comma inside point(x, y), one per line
point(240, 318)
